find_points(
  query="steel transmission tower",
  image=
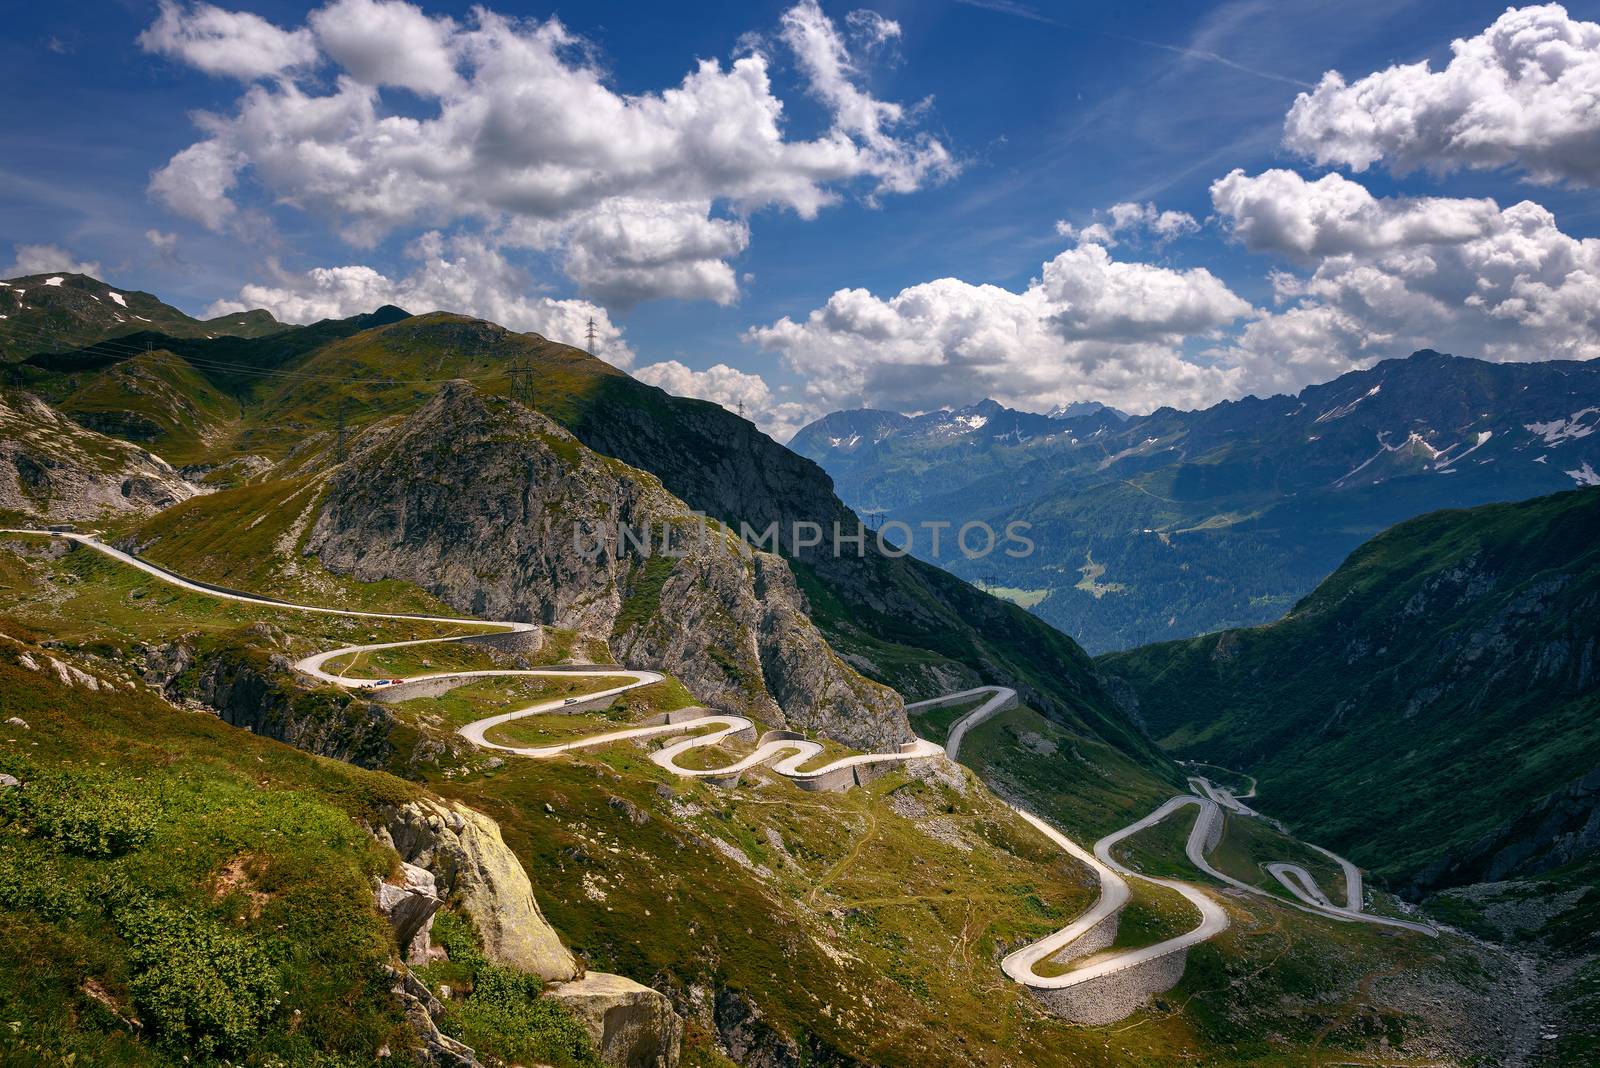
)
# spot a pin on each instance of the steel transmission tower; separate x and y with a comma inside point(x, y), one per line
point(521, 375)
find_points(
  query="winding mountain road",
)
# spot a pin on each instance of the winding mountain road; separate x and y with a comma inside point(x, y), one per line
point(841, 772)
point(1021, 964)
point(707, 729)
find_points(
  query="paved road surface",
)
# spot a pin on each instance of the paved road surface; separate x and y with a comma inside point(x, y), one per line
point(721, 726)
point(1113, 875)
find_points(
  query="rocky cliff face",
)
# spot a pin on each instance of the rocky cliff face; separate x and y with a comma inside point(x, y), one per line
point(500, 512)
point(53, 468)
point(900, 620)
point(250, 686)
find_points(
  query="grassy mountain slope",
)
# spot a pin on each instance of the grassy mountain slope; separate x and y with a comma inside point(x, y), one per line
point(1432, 709)
point(899, 621)
point(788, 927)
point(51, 312)
point(157, 400)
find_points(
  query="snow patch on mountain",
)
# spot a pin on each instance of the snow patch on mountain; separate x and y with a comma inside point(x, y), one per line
point(1585, 475)
point(1479, 441)
point(1345, 409)
point(1572, 427)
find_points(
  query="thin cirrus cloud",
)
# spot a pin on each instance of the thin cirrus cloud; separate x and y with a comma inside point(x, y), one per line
point(520, 145)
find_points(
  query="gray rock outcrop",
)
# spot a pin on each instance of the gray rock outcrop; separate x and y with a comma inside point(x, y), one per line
point(500, 512)
point(254, 689)
point(743, 1031)
point(632, 1025)
point(409, 906)
point(472, 865)
point(54, 468)
point(422, 1009)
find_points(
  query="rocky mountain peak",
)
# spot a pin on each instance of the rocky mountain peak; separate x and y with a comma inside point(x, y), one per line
point(499, 511)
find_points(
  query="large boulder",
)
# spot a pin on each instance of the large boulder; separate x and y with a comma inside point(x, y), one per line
point(632, 1025)
point(472, 864)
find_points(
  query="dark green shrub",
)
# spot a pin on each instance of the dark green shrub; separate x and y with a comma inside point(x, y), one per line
point(92, 816)
point(506, 1019)
point(454, 931)
point(32, 881)
point(199, 986)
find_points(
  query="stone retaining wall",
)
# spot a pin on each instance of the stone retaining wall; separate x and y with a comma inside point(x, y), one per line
point(518, 641)
point(409, 691)
point(1092, 941)
point(1112, 997)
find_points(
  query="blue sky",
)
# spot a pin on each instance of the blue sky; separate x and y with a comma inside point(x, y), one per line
point(1044, 114)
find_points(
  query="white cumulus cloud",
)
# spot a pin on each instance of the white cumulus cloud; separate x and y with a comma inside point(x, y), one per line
point(731, 388)
point(234, 44)
point(1387, 276)
point(389, 42)
point(45, 259)
point(1280, 211)
point(462, 275)
point(1524, 93)
point(1131, 219)
point(1090, 327)
point(522, 141)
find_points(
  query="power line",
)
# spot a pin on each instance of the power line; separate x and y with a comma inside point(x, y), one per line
point(591, 335)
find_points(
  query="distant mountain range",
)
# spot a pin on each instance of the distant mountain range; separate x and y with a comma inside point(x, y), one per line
point(41, 312)
point(1178, 523)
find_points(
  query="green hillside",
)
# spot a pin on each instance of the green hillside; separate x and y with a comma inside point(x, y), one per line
point(159, 401)
point(1431, 709)
point(899, 621)
point(51, 312)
